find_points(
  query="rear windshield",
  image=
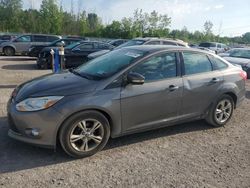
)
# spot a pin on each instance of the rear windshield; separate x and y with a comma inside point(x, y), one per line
point(131, 43)
point(207, 45)
point(241, 53)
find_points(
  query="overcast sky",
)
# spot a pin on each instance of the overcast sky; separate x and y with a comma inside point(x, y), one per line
point(230, 17)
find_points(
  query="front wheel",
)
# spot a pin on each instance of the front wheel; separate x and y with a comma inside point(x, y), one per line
point(84, 134)
point(221, 111)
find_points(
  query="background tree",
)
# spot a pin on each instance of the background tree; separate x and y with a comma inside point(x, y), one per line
point(208, 26)
point(10, 11)
point(51, 17)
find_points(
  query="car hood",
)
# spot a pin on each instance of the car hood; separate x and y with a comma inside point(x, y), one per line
point(62, 84)
point(47, 49)
point(237, 60)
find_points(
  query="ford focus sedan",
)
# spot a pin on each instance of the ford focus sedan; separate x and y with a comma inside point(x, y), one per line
point(129, 90)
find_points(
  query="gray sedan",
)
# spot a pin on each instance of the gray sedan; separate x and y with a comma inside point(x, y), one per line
point(128, 90)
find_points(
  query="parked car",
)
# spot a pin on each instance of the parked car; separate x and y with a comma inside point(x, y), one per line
point(74, 55)
point(34, 50)
point(22, 44)
point(44, 60)
point(142, 41)
point(7, 37)
point(240, 56)
point(128, 90)
point(215, 46)
point(117, 42)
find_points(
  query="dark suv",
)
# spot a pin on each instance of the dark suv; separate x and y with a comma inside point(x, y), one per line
point(34, 50)
point(126, 91)
point(74, 54)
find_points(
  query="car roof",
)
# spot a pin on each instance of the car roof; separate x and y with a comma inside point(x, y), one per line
point(155, 48)
point(178, 41)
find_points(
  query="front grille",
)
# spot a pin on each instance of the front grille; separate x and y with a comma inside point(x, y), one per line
point(12, 125)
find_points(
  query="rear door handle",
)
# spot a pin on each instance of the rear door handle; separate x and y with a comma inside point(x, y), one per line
point(173, 87)
point(215, 80)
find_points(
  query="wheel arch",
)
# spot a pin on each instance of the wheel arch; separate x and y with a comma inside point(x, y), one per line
point(103, 112)
point(9, 46)
point(234, 97)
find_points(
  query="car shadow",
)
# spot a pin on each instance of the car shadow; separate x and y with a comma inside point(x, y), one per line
point(7, 86)
point(18, 59)
point(16, 156)
point(20, 67)
point(248, 94)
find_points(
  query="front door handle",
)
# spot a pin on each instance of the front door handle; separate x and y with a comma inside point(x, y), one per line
point(173, 87)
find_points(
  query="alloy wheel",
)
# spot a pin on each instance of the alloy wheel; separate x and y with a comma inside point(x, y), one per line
point(86, 135)
point(223, 111)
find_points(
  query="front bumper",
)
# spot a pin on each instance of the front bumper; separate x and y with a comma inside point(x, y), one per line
point(45, 122)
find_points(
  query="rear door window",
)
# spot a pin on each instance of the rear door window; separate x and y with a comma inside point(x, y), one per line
point(169, 43)
point(195, 63)
point(52, 38)
point(153, 43)
point(39, 38)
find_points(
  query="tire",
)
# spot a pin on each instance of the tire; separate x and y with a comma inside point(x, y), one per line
point(221, 111)
point(77, 133)
point(9, 51)
point(44, 66)
point(248, 74)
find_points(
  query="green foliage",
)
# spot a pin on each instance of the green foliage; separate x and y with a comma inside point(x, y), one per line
point(51, 18)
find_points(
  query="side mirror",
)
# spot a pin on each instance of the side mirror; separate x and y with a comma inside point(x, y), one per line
point(76, 50)
point(135, 78)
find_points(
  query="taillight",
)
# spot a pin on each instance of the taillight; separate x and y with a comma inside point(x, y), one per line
point(243, 75)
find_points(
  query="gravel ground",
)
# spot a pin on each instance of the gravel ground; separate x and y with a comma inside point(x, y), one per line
point(186, 155)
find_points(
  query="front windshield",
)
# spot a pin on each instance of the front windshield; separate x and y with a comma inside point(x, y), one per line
point(110, 63)
point(241, 53)
point(131, 43)
point(54, 42)
point(71, 46)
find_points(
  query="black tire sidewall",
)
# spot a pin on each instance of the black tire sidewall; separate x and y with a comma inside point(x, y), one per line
point(68, 125)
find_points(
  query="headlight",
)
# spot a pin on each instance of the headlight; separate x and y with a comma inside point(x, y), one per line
point(39, 103)
point(31, 49)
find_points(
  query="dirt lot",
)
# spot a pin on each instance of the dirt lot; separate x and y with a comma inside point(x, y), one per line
point(186, 155)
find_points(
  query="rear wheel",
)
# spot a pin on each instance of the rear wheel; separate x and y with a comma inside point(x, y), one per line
point(9, 51)
point(221, 111)
point(84, 134)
